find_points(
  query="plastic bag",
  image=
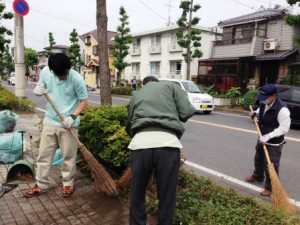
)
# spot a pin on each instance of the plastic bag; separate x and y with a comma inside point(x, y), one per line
point(10, 147)
point(8, 121)
point(58, 158)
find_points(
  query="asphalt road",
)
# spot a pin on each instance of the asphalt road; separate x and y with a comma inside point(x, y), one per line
point(221, 146)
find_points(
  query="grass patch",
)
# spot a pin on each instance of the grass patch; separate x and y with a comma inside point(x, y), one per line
point(201, 201)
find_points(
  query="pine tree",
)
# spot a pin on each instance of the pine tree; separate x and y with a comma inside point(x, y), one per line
point(121, 44)
point(74, 51)
point(105, 88)
point(3, 30)
point(6, 62)
point(189, 36)
point(51, 43)
point(294, 20)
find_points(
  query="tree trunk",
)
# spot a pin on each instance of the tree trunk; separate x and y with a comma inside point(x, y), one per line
point(188, 63)
point(105, 87)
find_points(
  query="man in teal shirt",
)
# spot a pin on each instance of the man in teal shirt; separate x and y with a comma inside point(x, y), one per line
point(66, 87)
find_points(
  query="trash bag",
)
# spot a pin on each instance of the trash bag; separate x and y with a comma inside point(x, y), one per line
point(8, 121)
point(10, 147)
point(58, 158)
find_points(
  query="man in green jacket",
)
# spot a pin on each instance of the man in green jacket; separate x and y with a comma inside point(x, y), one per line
point(154, 123)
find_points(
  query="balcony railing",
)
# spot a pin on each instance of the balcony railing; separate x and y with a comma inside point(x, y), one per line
point(155, 49)
point(135, 51)
point(174, 75)
point(174, 47)
point(233, 41)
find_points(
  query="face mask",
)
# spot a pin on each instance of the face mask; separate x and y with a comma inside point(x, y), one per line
point(267, 101)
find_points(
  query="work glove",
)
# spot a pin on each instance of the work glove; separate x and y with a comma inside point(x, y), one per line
point(40, 90)
point(68, 121)
point(253, 115)
point(264, 139)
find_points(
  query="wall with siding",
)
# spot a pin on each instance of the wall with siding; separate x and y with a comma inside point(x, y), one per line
point(282, 32)
point(230, 51)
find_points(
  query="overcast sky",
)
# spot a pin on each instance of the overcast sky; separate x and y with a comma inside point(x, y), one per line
point(61, 16)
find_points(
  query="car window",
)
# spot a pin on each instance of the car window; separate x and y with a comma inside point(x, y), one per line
point(296, 96)
point(191, 87)
point(283, 93)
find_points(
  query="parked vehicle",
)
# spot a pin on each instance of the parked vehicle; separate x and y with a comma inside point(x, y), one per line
point(202, 101)
point(12, 79)
point(291, 96)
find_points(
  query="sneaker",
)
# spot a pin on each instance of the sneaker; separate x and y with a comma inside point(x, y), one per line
point(35, 191)
point(266, 192)
point(252, 179)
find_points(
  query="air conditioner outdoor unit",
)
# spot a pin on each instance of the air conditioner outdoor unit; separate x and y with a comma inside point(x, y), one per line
point(270, 44)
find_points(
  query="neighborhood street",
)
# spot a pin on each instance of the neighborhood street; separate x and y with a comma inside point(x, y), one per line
point(221, 146)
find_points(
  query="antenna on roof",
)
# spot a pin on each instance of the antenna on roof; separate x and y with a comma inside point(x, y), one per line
point(169, 13)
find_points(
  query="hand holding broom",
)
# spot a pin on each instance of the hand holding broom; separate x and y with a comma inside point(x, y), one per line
point(279, 197)
point(103, 181)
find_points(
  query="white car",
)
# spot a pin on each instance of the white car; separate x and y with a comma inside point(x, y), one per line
point(202, 101)
point(12, 79)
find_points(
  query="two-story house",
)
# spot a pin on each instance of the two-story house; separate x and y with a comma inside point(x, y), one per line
point(258, 46)
point(91, 57)
point(156, 53)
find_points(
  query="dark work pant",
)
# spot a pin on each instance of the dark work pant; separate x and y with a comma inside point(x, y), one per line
point(165, 164)
point(260, 162)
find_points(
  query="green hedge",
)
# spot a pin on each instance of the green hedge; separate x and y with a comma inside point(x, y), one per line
point(102, 130)
point(121, 90)
point(9, 101)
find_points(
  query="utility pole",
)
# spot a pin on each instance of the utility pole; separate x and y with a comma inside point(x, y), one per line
point(19, 57)
point(169, 13)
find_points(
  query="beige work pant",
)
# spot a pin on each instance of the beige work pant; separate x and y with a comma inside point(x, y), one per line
point(52, 138)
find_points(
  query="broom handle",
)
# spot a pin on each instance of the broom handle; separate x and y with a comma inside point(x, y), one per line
point(62, 119)
point(259, 133)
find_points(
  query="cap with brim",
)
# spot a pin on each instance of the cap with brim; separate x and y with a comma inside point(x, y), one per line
point(266, 91)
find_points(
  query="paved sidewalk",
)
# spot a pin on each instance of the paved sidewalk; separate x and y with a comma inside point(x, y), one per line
point(86, 206)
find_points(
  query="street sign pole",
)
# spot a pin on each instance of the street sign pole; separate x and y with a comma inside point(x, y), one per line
point(19, 57)
point(21, 9)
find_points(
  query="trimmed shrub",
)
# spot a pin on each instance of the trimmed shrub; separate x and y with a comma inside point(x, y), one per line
point(249, 98)
point(9, 101)
point(102, 130)
point(121, 90)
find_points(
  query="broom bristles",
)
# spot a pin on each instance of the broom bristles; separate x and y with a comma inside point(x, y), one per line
point(280, 198)
point(125, 179)
point(103, 181)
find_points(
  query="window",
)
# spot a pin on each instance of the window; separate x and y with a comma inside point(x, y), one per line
point(136, 42)
point(296, 96)
point(135, 68)
point(175, 67)
point(154, 68)
point(95, 50)
point(88, 59)
point(155, 40)
point(174, 39)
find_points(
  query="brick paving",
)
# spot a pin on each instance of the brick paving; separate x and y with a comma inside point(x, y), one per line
point(86, 206)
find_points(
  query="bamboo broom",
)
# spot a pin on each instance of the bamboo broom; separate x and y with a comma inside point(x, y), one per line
point(125, 180)
point(280, 198)
point(103, 181)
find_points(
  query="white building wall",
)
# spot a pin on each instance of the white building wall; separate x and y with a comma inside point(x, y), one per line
point(165, 57)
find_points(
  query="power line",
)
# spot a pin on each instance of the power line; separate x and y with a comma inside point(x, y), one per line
point(152, 10)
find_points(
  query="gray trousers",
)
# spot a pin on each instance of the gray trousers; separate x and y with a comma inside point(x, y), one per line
point(260, 163)
point(164, 162)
